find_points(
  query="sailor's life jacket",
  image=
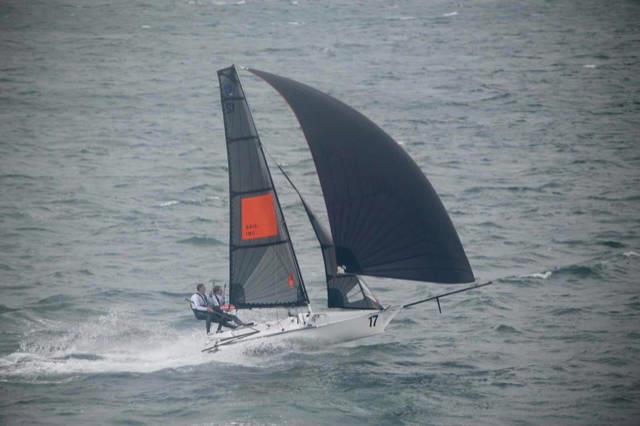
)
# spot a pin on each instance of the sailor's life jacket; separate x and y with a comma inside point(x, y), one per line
point(199, 305)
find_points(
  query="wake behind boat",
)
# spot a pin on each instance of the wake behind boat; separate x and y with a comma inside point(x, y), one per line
point(385, 220)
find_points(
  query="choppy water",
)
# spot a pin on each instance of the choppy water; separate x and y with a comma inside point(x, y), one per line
point(113, 183)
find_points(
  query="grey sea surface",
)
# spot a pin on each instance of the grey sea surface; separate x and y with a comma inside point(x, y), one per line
point(525, 116)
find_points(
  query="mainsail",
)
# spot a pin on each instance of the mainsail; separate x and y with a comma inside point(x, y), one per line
point(386, 219)
point(264, 271)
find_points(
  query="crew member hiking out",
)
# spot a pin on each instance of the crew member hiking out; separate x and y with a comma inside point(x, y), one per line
point(216, 301)
point(209, 309)
point(200, 306)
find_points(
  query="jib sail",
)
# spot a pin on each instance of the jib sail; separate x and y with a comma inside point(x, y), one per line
point(343, 290)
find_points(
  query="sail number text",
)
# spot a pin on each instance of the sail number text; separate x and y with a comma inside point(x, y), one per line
point(373, 319)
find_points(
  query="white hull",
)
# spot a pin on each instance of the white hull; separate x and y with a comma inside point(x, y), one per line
point(324, 328)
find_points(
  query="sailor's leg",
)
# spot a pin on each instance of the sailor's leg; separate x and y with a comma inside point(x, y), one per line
point(208, 323)
point(201, 315)
point(227, 324)
point(235, 319)
point(223, 317)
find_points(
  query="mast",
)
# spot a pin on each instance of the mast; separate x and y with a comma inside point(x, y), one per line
point(263, 268)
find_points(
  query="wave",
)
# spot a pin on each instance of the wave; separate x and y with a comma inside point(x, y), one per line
point(16, 176)
point(55, 303)
point(34, 229)
point(540, 275)
point(201, 241)
point(566, 311)
point(201, 187)
point(507, 329)
point(201, 220)
point(512, 188)
point(192, 202)
point(489, 224)
point(580, 271)
point(4, 309)
point(400, 18)
point(612, 244)
point(590, 268)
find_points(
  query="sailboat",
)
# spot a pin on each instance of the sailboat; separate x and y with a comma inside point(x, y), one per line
point(385, 220)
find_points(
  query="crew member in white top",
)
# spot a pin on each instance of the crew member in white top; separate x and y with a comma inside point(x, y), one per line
point(216, 300)
point(200, 306)
point(216, 297)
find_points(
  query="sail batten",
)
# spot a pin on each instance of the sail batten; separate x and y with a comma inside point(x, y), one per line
point(263, 269)
point(386, 219)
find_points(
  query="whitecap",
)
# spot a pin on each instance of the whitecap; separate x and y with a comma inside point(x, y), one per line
point(169, 203)
point(400, 18)
point(454, 13)
point(630, 254)
point(591, 66)
point(541, 275)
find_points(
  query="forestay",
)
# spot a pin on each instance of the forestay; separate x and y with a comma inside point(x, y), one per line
point(264, 270)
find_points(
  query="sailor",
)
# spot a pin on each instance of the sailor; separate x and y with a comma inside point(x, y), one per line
point(216, 297)
point(200, 306)
point(216, 301)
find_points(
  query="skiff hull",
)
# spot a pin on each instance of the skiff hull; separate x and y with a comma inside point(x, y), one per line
point(318, 328)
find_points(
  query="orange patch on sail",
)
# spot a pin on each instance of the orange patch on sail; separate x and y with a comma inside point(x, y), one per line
point(258, 217)
point(291, 281)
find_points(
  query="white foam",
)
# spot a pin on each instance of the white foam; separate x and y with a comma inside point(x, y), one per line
point(450, 14)
point(542, 276)
point(630, 254)
point(114, 343)
point(400, 18)
point(589, 66)
point(169, 203)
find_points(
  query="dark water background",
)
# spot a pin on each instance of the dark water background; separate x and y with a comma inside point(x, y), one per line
point(113, 203)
